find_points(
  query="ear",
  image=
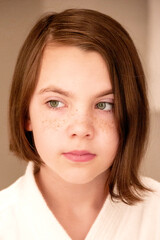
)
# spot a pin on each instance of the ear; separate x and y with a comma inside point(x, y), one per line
point(28, 125)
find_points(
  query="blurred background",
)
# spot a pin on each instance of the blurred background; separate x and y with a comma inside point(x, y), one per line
point(141, 18)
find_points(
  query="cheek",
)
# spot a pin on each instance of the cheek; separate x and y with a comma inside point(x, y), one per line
point(106, 124)
point(108, 131)
point(47, 129)
point(53, 124)
point(50, 121)
point(47, 135)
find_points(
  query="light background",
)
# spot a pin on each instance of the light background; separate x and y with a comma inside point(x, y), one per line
point(141, 18)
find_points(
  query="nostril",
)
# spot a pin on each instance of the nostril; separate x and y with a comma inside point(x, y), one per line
point(82, 134)
point(79, 128)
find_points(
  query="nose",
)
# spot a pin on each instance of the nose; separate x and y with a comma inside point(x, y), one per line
point(81, 127)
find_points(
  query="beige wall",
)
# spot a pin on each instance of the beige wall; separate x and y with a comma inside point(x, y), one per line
point(153, 53)
point(16, 19)
point(151, 166)
point(138, 17)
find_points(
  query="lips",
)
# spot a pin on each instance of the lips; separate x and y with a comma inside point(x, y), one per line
point(79, 156)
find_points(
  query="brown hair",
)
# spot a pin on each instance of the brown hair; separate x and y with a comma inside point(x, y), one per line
point(91, 31)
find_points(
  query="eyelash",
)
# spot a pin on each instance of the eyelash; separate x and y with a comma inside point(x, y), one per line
point(50, 101)
point(107, 103)
point(111, 105)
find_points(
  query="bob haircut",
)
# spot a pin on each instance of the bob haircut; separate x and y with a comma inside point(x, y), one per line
point(90, 31)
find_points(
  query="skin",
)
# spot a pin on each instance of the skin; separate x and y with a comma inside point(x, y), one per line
point(75, 124)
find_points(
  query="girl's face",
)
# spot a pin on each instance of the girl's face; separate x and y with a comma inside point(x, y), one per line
point(72, 110)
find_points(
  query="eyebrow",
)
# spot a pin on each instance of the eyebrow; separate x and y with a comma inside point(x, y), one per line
point(69, 94)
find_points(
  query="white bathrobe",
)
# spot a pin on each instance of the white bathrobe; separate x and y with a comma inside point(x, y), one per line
point(24, 215)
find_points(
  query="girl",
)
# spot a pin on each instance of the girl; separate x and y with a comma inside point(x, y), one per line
point(79, 115)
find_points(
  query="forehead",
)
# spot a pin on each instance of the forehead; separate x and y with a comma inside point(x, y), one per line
point(72, 66)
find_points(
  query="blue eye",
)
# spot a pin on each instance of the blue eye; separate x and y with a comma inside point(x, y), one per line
point(55, 104)
point(106, 106)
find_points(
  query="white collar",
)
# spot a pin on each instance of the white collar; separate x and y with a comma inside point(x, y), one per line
point(38, 216)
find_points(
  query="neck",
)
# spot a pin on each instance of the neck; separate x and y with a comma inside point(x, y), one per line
point(75, 197)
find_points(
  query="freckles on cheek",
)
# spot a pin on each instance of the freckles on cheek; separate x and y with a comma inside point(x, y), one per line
point(54, 124)
point(108, 130)
point(106, 124)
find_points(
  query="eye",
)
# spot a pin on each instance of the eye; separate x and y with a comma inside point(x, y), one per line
point(55, 104)
point(106, 106)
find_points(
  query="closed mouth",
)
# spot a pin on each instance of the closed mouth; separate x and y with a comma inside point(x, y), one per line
point(79, 156)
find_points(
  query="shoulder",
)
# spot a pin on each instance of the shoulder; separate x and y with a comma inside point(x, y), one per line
point(9, 206)
point(151, 198)
point(151, 184)
point(9, 195)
